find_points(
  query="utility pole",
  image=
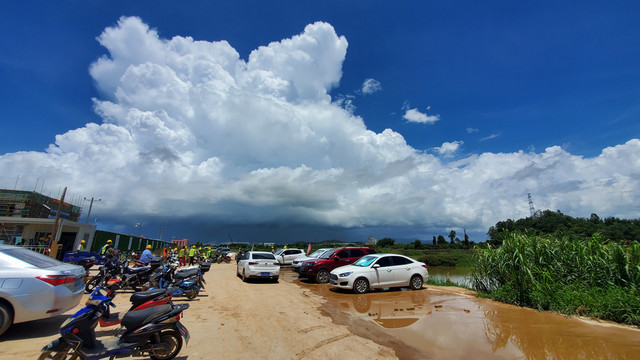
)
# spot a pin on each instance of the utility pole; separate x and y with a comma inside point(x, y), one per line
point(90, 206)
point(531, 209)
point(53, 244)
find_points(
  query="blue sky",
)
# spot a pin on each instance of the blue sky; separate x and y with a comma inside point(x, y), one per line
point(540, 89)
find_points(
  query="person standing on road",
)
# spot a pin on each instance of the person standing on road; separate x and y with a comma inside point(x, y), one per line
point(181, 255)
point(81, 246)
point(192, 254)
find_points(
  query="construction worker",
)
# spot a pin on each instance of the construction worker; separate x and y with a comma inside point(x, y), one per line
point(146, 256)
point(81, 246)
point(107, 250)
point(165, 252)
point(192, 254)
point(207, 252)
point(181, 254)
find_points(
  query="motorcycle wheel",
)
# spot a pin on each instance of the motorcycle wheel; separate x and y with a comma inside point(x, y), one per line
point(58, 355)
point(167, 347)
point(91, 284)
point(191, 294)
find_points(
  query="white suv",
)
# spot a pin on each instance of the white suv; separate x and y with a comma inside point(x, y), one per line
point(286, 256)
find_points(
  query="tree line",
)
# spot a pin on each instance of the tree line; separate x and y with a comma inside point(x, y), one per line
point(556, 223)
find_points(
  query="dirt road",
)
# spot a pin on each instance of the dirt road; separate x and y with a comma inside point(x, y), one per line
point(234, 320)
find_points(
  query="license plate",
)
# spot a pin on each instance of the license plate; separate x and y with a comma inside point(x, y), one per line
point(265, 274)
point(184, 332)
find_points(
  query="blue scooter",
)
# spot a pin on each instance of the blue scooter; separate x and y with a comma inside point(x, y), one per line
point(184, 282)
point(155, 332)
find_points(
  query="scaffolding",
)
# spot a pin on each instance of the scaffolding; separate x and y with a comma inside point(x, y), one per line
point(30, 204)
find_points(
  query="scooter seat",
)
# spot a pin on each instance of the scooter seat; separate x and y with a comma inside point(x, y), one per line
point(141, 297)
point(136, 318)
point(137, 270)
point(185, 273)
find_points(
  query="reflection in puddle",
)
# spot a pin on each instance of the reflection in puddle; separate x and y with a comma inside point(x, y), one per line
point(440, 324)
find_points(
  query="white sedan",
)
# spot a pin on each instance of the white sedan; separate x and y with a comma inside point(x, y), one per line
point(380, 271)
point(258, 264)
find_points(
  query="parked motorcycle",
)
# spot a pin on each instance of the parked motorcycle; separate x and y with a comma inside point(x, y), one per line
point(109, 270)
point(139, 301)
point(136, 277)
point(184, 282)
point(155, 331)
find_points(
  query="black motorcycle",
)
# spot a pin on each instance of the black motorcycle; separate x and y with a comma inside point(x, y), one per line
point(109, 270)
point(155, 331)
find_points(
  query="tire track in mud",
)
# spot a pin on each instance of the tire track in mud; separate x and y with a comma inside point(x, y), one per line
point(306, 352)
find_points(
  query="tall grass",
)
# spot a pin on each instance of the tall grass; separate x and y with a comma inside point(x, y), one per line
point(567, 275)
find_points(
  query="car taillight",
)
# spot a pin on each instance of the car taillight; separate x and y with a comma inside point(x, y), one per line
point(56, 280)
point(276, 263)
point(253, 263)
point(424, 266)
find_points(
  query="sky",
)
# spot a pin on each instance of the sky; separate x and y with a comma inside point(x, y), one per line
point(305, 121)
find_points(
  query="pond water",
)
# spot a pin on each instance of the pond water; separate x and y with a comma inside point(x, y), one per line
point(440, 323)
point(458, 275)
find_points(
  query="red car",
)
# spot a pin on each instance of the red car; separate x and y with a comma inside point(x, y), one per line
point(320, 268)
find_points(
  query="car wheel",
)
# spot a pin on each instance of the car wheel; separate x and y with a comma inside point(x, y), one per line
point(275, 279)
point(416, 282)
point(322, 276)
point(360, 286)
point(6, 317)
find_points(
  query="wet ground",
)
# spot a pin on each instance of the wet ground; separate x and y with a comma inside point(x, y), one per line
point(436, 323)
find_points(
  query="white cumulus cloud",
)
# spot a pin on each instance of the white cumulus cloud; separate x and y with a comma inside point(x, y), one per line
point(192, 131)
point(371, 86)
point(448, 148)
point(413, 115)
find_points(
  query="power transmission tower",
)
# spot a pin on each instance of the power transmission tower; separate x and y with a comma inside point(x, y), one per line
point(531, 208)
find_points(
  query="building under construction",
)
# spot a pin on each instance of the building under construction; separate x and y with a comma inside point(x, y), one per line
point(27, 218)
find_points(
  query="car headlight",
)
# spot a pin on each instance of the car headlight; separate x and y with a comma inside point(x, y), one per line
point(345, 274)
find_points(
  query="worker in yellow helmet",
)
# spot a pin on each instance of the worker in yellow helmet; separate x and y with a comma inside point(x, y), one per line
point(81, 246)
point(192, 254)
point(147, 256)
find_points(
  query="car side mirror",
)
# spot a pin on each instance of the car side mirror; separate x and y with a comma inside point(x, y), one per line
point(375, 266)
point(336, 259)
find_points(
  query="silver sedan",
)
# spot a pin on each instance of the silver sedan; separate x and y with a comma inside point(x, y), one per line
point(258, 264)
point(34, 286)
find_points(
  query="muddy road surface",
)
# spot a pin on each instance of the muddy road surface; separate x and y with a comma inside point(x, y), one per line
point(297, 319)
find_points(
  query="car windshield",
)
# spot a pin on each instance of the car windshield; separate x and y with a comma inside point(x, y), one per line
point(317, 253)
point(327, 254)
point(279, 251)
point(258, 256)
point(365, 261)
point(32, 258)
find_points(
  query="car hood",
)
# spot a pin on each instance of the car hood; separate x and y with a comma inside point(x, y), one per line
point(346, 268)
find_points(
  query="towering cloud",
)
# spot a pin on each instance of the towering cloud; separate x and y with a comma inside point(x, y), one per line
point(191, 130)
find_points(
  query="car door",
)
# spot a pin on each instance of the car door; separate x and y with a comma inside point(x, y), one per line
point(340, 258)
point(383, 272)
point(401, 269)
point(242, 262)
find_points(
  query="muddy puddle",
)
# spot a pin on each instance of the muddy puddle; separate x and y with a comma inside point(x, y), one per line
point(436, 323)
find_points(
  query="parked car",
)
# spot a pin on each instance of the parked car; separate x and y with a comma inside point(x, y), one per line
point(320, 268)
point(295, 265)
point(286, 256)
point(380, 271)
point(258, 264)
point(34, 286)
